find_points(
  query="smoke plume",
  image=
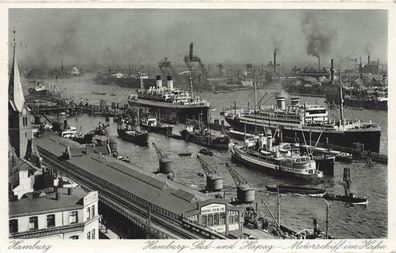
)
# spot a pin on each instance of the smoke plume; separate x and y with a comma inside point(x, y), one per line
point(318, 36)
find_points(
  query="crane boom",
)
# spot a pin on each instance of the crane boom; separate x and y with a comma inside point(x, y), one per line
point(206, 167)
point(160, 154)
point(238, 179)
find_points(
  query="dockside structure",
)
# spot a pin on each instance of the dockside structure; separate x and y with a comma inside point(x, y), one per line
point(156, 194)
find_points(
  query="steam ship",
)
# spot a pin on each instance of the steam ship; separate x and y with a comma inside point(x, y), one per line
point(306, 124)
point(262, 155)
point(170, 103)
point(123, 79)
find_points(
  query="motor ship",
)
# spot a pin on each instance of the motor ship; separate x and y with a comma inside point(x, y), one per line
point(261, 154)
point(306, 124)
point(205, 138)
point(171, 103)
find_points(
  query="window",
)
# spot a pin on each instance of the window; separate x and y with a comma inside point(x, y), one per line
point(210, 220)
point(216, 219)
point(33, 223)
point(93, 211)
point(50, 220)
point(14, 226)
point(93, 234)
point(74, 237)
point(222, 219)
point(204, 220)
point(73, 217)
point(89, 235)
point(88, 213)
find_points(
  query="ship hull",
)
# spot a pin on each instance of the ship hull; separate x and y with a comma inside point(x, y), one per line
point(369, 137)
point(217, 143)
point(125, 82)
point(140, 139)
point(295, 189)
point(172, 112)
point(157, 129)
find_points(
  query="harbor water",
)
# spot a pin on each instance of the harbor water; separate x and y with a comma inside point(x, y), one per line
point(297, 212)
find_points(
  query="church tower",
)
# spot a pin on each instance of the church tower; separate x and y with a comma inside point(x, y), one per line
point(19, 118)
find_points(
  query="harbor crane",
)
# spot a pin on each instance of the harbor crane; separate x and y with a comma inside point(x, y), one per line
point(164, 162)
point(213, 181)
point(191, 61)
point(245, 192)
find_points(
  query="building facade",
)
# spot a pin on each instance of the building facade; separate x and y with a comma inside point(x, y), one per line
point(66, 213)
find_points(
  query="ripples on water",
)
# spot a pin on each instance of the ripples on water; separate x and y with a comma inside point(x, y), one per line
point(345, 221)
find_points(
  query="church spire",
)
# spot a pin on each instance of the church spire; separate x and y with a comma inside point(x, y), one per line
point(15, 92)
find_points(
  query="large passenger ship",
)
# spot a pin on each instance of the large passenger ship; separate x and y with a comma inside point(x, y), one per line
point(172, 104)
point(306, 124)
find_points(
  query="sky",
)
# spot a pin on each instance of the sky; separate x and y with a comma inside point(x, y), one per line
point(129, 36)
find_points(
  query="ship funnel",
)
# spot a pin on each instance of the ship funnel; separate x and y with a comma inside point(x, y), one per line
point(169, 82)
point(159, 82)
point(295, 101)
point(280, 101)
point(269, 143)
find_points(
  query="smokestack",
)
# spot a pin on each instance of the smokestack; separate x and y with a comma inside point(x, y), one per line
point(361, 70)
point(281, 103)
point(332, 71)
point(274, 61)
point(356, 67)
point(191, 51)
point(368, 59)
point(169, 82)
point(318, 62)
point(159, 82)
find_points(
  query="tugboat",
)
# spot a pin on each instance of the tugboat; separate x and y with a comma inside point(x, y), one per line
point(260, 153)
point(348, 197)
point(312, 191)
point(152, 125)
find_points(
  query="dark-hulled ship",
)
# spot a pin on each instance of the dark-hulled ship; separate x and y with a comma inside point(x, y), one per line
point(171, 103)
point(306, 123)
point(124, 79)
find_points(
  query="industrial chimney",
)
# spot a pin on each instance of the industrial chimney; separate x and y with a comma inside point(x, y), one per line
point(191, 51)
point(274, 61)
point(318, 62)
point(368, 59)
point(332, 71)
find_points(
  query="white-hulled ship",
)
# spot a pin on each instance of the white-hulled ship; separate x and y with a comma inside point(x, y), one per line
point(260, 153)
point(171, 103)
point(306, 123)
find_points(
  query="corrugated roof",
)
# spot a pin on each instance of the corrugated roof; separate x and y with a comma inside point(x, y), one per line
point(187, 196)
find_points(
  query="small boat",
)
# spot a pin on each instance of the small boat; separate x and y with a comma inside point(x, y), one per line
point(206, 151)
point(152, 125)
point(238, 135)
point(99, 93)
point(175, 136)
point(185, 154)
point(352, 199)
point(296, 189)
point(134, 135)
point(124, 159)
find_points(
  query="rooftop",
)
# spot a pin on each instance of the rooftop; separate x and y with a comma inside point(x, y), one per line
point(47, 202)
